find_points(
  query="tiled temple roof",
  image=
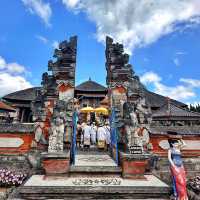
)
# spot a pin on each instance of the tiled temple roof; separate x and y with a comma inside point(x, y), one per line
point(91, 86)
point(157, 100)
point(172, 110)
point(181, 130)
point(153, 99)
point(22, 95)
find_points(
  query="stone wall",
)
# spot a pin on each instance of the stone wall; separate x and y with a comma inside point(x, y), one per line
point(17, 152)
point(160, 145)
point(15, 138)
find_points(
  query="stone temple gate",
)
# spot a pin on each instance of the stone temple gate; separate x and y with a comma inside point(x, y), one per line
point(53, 107)
point(54, 114)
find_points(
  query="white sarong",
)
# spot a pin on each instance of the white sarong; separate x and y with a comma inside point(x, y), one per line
point(86, 135)
point(93, 134)
point(107, 131)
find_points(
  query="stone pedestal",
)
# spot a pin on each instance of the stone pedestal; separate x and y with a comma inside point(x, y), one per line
point(56, 163)
point(134, 165)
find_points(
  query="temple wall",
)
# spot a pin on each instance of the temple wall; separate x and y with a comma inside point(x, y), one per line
point(15, 143)
point(17, 152)
point(15, 138)
point(160, 145)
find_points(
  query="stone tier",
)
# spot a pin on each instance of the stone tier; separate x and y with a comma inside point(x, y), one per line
point(41, 187)
point(85, 171)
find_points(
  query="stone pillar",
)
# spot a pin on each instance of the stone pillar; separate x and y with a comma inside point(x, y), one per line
point(59, 87)
point(126, 95)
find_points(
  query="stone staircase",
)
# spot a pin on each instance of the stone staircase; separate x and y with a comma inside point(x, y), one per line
point(41, 187)
point(94, 176)
point(94, 163)
point(95, 171)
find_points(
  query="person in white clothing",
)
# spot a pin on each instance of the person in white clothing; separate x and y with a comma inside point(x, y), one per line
point(101, 137)
point(86, 135)
point(107, 131)
point(93, 133)
point(82, 127)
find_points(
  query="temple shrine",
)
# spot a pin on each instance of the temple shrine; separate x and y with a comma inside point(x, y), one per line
point(41, 138)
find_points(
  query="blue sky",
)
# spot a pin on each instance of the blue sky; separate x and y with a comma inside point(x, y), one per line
point(162, 38)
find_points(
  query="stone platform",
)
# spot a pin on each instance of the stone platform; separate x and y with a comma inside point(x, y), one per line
point(43, 187)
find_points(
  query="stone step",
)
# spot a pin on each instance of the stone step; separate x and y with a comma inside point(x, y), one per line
point(96, 169)
point(79, 188)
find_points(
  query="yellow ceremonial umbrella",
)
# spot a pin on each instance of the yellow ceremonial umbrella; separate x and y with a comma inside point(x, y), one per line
point(102, 110)
point(87, 110)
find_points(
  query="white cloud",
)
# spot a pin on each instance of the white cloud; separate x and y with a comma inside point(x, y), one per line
point(40, 8)
point(71, 3)
point(179, 92)
point(15, 68)
point(191, 82)
point(42, 39)
point(150, 77)
point(182, 92)
point(137, 23)
point(11, 67)
point(55, 44)
point(2, 63)
point(10, 83)
point(181, 53)
point(12, 77)
point(176, 62)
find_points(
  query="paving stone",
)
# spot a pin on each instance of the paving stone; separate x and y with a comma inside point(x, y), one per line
point(102, 159)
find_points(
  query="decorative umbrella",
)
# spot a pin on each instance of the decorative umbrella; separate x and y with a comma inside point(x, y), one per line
point(87, 110)
point(102, 110)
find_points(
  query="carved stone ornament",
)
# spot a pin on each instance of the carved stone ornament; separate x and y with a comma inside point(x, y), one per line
point(97, 181)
